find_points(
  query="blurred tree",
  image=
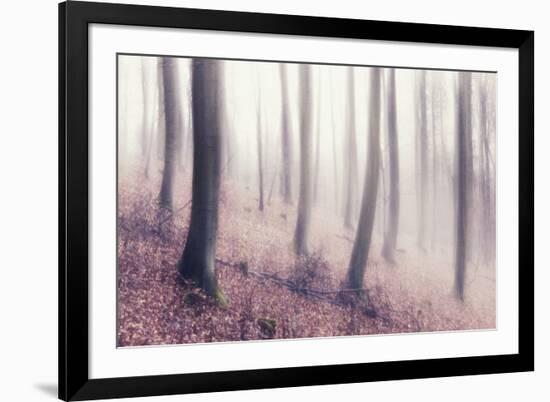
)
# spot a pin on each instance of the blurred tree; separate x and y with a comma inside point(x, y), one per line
point(390, 238)
point(171, 112)
point(301, 235)
point(259, 133)
point(463, 175)
point(350, 154)
point(422, 135)
point(198, 259)
point(361, 245)
point(286, 178)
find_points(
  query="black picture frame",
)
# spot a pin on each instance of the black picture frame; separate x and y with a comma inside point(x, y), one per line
point(74, 18)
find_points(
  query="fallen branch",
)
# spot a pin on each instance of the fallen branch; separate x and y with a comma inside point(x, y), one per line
point(275, 277)
point(172, 213)
point(324, 295)
point(291, 285)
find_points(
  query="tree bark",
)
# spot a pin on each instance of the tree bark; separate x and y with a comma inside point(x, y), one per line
point(463, 174)
point(334, 155)
point(361, 245)
point(260, 155)
point(286, 181)
point(350, 154)
point(435, 133)
point(155, 125)
point(423, 159)
point(301, 235)
point(145, 126)
point(317, 140)
point(198, 258)
point(171, 111)
point(390, 239)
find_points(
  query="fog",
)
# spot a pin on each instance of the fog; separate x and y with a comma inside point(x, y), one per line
point(257, 100)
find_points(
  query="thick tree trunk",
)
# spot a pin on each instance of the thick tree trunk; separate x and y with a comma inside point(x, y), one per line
point(463, 175)
point(350, 154)
point(286, 180)
point(171, 111)
point(390, 239)
point(198, 259)
point(301, 235)
point(361, 245)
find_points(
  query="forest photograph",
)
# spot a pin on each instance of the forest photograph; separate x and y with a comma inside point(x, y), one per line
point(261, 200)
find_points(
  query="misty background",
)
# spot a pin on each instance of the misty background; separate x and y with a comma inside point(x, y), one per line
point(430, 133)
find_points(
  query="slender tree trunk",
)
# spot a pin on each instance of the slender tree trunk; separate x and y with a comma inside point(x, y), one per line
point(260, 152)
point(301, 236)
point(198, 259)
point(180, 121)
point(490, 190)
point(145, 126)
point(482, 182)
point(317, 141)
point(382, 195)
point(171, 110)
point(361, 245)
point(434, 164)
point(334, 155)
point(486, 181)
point(390, 239)
point(463, 155)
point(423, 159)
point(286, 181)
point(187, 160)
point(155, 125)
point(159, 144)
point(350, 154)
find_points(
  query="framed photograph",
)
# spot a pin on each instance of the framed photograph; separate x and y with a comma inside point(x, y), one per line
point(257, 200)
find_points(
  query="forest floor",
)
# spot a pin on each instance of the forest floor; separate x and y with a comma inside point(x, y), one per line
point(271, 293)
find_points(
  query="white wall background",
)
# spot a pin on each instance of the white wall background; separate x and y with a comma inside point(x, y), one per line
point(28, 198)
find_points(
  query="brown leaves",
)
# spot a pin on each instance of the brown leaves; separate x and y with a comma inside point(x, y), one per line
point(155, 307)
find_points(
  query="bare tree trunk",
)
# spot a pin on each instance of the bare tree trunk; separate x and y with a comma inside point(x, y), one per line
point(161, 126)
point(382, 195)
point(488, 234)
point(463, 174)
point(182, 133)
point(361, 245)
point(171, 110)
point(286, 182)
point(198, 259)
point(350, 154)
point(228, 150)
point(260, 152)
point(390, 239)
point(156, 127)
point(301, 236)
point(434, 163)
point(482, 182)
point(145, 117)
point(318, 140)
point(334, 155)
point(423, 159)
